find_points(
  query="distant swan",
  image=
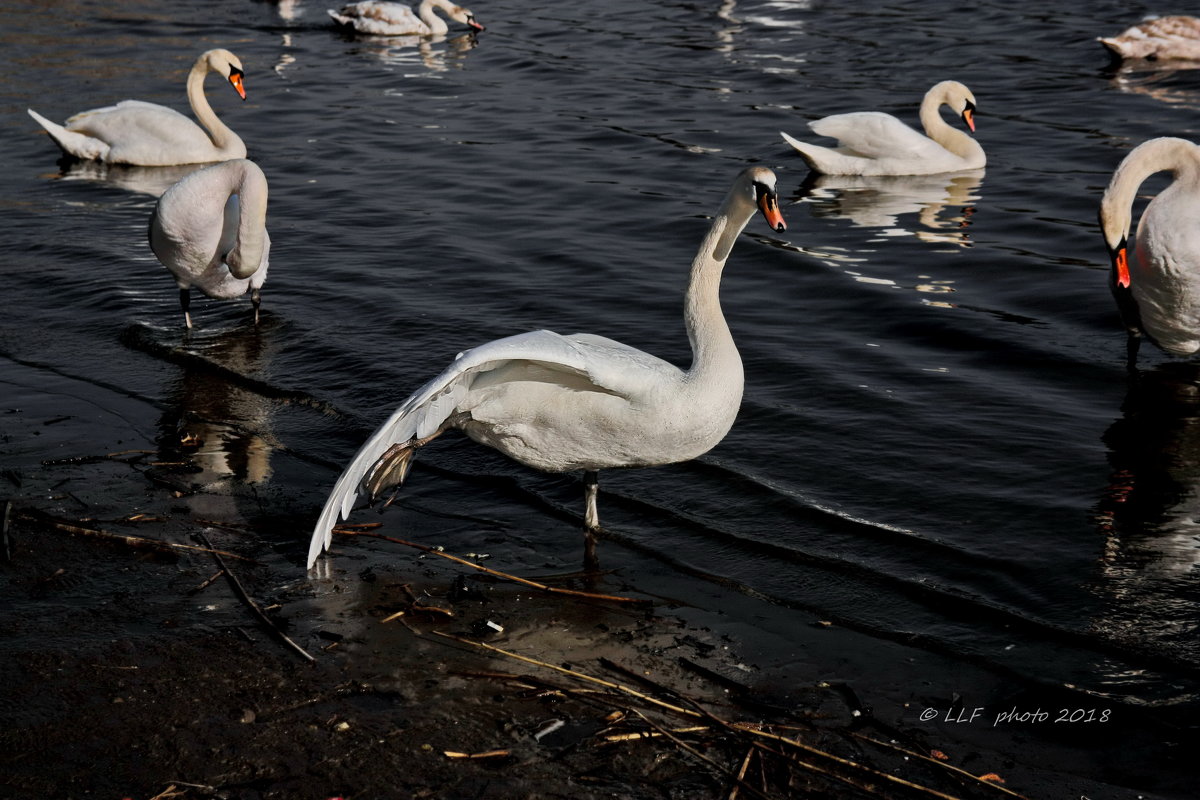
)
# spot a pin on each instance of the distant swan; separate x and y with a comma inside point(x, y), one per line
point(578, 402)
point(382, 18)
point(210, 231)
point(1156, 278)
point(1161, 38)
point(150, 135)
point(874, 143)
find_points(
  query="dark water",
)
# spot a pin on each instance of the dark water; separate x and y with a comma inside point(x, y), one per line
point(938, 446)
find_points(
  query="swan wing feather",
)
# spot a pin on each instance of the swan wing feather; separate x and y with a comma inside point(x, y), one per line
point(874, 134)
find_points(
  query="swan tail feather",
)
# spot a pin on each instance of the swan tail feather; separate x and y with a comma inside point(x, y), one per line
point(71, 143)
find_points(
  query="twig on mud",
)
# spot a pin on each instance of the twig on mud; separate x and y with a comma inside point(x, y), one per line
point(580, 675)
point(741, 775)
point(942, 764)
point(207, 583)
point(476, 756)
point(123, 538)
point(245, 598)
point(687, 748)
point(169, 792)
point(349, 531)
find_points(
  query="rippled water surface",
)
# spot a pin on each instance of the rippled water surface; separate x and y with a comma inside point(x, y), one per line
point(939, 445)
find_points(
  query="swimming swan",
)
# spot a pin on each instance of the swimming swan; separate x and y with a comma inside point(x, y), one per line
point(382, 18)
point(150, 135)
point(1162, 38)
point(210, 231)
point(874, 143)
point(578, 402)
point(1156, 278)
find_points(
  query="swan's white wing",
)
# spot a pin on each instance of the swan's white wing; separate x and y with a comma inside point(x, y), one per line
point(380, 18)
point(873, 134)
point(605, 363)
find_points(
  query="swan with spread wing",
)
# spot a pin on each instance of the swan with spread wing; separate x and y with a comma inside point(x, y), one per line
point(578, 402)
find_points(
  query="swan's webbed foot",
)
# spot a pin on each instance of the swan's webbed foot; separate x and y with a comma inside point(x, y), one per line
point(392, 468)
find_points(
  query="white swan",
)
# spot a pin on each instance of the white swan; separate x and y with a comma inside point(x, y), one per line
point(1157, 39)
point(210, 231)
point(150, 135)
point(578, 402)
point(874, 143)
point(1156, 279)
point(382, 18)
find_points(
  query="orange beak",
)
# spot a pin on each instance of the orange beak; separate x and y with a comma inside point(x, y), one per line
point(235, 79)
point(1121, 262)
point(968, 116)
point(769, 206)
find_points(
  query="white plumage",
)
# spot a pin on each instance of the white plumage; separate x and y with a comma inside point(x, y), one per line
point(210, 231)
point(874, 143)
point(1156, 279)
point(578, 402)
point(1162, 38)
point(382, 18)
point(147, 134)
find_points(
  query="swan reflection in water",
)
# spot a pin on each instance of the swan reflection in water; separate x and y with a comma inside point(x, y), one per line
point(1175, 83)
point(215, 421)
point(152, 181)
point(942, 204)
point(1148, 575)
point(436, 53)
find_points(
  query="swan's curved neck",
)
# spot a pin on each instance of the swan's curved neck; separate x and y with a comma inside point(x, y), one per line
point(249, 184)
point(712, 343)
point(222, 137)
point(936, 128)
point(1178, 156)
point(426, 13)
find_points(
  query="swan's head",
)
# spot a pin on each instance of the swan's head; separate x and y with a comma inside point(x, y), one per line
point(1116, 239)
point(759, 183)
point(228, 66)
point(958, 97)
point(465, 16)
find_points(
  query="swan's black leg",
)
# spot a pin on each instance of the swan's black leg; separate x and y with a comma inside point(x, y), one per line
point(1132, 344)
point(185, 301)
point(256, 300)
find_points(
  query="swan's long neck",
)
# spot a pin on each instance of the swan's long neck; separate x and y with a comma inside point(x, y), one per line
point(436, 24)
point(250, 185)
point(936, 128)
point(1177, 156)
point(222, 137)
point(712, 343)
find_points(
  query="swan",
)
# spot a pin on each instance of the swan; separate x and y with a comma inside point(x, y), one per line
point(210, 231)
point(1156, 278)
point(1161, 38)
point(579, 402)
point(382, 18)
point(150, 135)
point(874, 143)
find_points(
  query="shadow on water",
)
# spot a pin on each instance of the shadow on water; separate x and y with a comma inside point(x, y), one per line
point(1148, 516)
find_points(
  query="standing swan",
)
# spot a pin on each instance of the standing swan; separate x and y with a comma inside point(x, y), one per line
point(150, 135)
point(559, 403)
point(383, 18)
point(874, 143)
point(210, 231)
point(1156, 282)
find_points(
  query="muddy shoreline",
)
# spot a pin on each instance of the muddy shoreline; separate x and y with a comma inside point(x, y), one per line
point(137, 672)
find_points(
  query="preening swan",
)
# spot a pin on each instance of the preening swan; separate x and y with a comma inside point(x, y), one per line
point(1156, 278)
point(578, 402)
point(382, 18)
point(874, 143)
point(150, 135)
point(210, 231)
point(1162, 38)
